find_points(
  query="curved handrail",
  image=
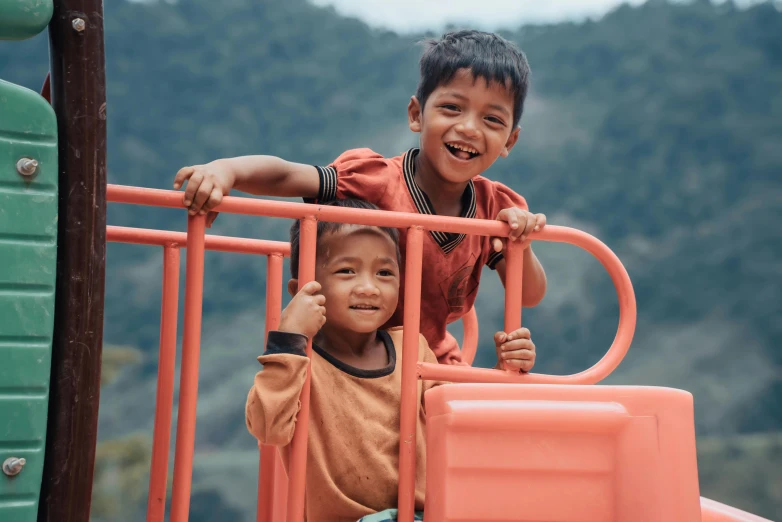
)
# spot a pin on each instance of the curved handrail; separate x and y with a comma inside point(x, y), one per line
point(598, 372)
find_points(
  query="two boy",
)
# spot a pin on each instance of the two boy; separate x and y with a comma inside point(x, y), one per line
point(466, 109)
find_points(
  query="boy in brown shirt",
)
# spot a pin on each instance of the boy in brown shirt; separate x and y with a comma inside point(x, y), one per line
point(353, 439)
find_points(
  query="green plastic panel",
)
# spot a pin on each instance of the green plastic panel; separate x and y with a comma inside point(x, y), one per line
point(28, 265)
point(22, 19)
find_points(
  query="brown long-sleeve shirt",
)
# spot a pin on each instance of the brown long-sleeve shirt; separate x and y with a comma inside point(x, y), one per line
point(353, 446)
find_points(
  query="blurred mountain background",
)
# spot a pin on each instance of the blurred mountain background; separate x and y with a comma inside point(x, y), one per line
point(656, 128)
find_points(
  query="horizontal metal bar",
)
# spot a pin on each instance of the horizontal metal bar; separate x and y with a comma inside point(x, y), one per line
point(240, 245)
point(290, 210)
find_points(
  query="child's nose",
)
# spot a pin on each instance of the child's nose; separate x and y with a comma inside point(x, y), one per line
point(366, 287)
point(468, 127)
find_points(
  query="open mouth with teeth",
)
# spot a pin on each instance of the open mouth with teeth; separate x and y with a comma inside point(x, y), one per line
point(364, 308)
point(461, 151)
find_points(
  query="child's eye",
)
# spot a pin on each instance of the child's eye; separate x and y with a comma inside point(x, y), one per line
point(450, 107)
point(495, 120)
point(345, 271)
point(386, 273)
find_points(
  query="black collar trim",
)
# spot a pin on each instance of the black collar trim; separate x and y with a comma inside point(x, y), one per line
point(446, 241)
point(358, 372)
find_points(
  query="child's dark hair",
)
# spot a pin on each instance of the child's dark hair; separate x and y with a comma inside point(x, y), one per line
point(486, 55)
point(326, 227)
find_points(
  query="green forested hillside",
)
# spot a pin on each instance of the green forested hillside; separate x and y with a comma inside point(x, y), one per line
point(656, 128)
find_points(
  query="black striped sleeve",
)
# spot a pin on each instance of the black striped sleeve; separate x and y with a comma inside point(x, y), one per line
point(327, 177)
point(494, 258)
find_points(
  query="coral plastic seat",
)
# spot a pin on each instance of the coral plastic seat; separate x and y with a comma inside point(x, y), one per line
point(560, 453)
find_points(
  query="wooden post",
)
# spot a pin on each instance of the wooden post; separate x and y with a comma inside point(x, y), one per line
point(78, 86)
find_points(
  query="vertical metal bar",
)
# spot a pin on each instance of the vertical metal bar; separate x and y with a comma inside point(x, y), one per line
point(298, 452)
point(514, 264)
point(280, 488)
point(188, 380)
point(268, 487)
point(156, 502)
point(271, 490)
point(273, 292)
point(470, 341)
point(409, 403)
point(78, 86)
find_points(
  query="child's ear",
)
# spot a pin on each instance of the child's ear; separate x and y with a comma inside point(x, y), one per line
point(293, 287)
point(512, 139)
point(414, 114)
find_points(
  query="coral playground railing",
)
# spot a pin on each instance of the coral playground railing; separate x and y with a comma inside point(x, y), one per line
point(278, 499)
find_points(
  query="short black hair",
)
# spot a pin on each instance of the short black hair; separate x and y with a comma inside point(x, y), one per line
point(486, 55)
point(327, 227)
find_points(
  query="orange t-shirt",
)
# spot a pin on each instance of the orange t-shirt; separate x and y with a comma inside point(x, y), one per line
point(353, 435)
point(452, 262)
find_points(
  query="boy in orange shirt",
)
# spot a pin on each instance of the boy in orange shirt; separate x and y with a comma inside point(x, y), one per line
point(467, 110)
point(353, 436)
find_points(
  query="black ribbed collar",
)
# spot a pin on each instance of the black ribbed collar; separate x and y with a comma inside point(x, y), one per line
point(447, 241)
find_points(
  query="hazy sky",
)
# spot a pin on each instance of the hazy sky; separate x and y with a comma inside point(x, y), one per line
point(417, 15)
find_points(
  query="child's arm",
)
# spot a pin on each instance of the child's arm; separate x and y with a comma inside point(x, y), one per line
point(522, 224)
point(273, 401)
point(259, 175)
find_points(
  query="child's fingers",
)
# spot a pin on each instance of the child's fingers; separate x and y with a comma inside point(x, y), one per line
point(182, 176)
point(215, 198)
point(511, 217)
point(201, 196)
point(319, 299)
point(519, 364)
point(521, 333)
point(519, 355)
point(540, 222)
point(210, 218)
point(311, 288)
point(529, 221)
point(500, 337)
point(496, 244)
point(320, 316)
point(193, 183)
point(518, 344)
point(516, 221)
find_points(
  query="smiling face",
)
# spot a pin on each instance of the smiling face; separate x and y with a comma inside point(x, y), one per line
point(465, 126)
point(358, 270)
